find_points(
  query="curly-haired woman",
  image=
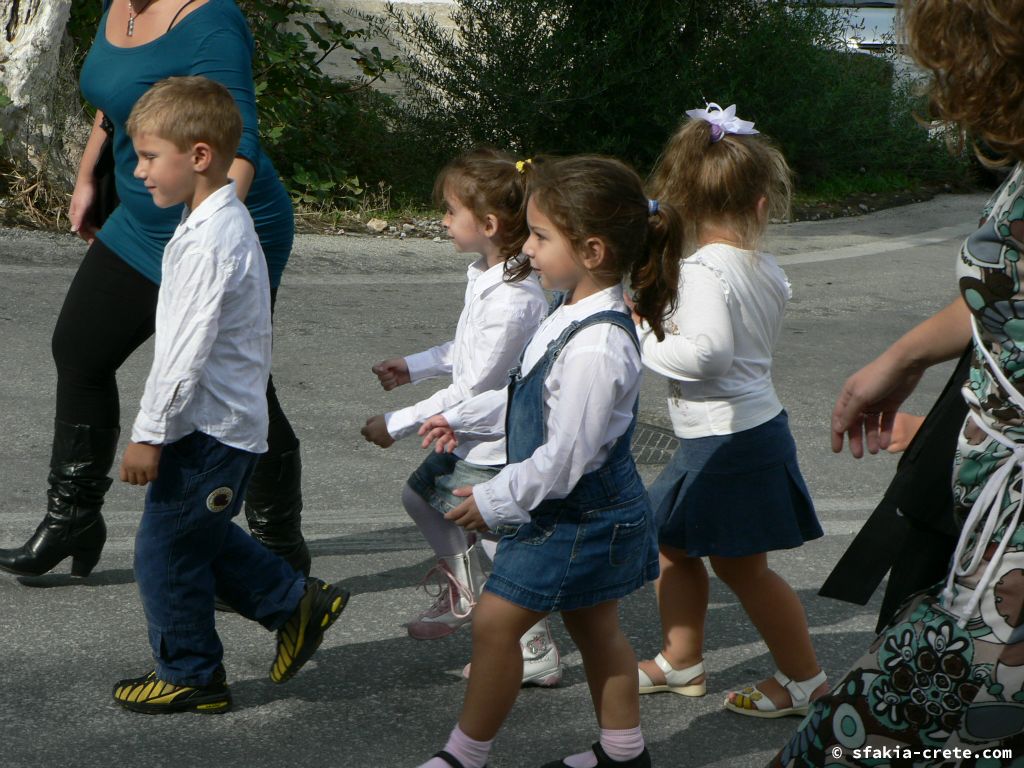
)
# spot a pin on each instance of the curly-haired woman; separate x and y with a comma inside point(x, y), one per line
point(948, 671)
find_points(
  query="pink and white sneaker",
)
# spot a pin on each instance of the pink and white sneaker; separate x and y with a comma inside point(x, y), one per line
point(542, 664)
point(461, 582)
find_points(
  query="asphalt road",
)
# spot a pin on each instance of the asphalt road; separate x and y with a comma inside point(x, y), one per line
point(372, 696)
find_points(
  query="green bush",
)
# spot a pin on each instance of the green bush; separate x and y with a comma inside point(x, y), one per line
point(568, 76)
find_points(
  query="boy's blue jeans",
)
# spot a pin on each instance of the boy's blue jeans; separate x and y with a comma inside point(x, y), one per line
point(187, 550)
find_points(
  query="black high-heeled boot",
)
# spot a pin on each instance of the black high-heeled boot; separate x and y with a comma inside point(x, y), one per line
point(273, 508)
point(73, 526)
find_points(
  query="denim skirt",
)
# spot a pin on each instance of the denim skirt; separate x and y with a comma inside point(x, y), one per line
point(441, 473)
point(735, 495)
point(597, 544)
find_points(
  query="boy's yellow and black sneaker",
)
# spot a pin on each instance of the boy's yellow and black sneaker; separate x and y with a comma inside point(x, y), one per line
point(302, 634)
point(153, 696)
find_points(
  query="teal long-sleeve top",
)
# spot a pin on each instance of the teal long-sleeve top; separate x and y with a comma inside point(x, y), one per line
point(213, 41)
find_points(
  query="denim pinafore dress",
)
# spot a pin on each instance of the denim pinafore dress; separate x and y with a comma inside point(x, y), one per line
point(598, 543)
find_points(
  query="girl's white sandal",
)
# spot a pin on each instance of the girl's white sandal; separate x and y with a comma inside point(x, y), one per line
point(752, 702)
point(659, 676)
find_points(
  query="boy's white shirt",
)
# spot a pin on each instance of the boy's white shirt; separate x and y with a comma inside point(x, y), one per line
point(211, 359)
point(588, 404)
point(497, 321)
point(718, 346)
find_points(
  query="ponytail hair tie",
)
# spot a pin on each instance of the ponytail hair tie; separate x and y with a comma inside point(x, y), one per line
point(652, 207)
point(521, 165)
point(722, 121)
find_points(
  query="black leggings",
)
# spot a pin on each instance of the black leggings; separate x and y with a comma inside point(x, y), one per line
point(108, 313)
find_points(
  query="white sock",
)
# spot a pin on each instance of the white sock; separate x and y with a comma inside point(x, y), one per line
point(580, 760)
point(470, 752)
point(621, 746)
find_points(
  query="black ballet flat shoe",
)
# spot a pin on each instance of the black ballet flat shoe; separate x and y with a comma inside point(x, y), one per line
point(643, 760)
point(450, 759)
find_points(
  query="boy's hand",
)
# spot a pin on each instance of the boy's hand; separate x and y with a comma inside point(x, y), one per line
point(436, 428)
point(140, 462)
point(376, 431)
point(392, 373)
point(467, 514)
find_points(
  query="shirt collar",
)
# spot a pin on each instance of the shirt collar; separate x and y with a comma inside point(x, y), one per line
point(609, 298)
point(483, 277)
point(222, 197)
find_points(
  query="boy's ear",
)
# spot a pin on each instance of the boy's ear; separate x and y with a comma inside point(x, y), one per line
point(202, 156)
point(594, 252)
point(490, 228)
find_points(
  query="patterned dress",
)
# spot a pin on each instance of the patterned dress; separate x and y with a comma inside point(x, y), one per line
point(948, 672)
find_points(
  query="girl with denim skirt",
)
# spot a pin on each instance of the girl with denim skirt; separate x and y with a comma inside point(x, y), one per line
point(733, 491)
point(484, 197)
point(577, 531)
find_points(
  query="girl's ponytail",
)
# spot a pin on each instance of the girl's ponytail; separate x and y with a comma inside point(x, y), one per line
point(654, 278)
point(517, 268)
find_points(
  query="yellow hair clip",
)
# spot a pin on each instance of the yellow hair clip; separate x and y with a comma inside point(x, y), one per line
point(521, 165)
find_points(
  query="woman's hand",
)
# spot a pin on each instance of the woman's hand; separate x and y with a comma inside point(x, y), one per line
point(865, 410)
point(437, 428)
point(79, 211)
point(467, 514)
point(904, 429)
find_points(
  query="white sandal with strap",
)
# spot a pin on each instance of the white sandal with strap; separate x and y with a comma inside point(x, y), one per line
point(659, 676)
point(753, 702)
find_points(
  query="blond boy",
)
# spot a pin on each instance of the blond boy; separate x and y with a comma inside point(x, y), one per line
point(203, 422)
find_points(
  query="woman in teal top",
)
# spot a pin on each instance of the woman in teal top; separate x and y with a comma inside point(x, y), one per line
point(213, 41)
point(110, 306)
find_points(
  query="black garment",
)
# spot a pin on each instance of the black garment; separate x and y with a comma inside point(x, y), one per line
point(109, 311)
point(912, 530)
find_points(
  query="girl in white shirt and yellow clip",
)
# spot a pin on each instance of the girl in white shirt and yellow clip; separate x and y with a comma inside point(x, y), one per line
point(733, 491)
point(484, 197)
point(577, 531)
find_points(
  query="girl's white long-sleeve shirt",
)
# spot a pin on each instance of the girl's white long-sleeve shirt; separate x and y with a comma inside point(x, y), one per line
point(588, 404)
point(717, 351)
point(497, 320)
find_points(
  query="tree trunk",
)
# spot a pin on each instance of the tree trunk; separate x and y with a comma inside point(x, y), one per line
point(32, 78)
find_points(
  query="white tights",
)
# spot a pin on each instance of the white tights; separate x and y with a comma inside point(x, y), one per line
point(443, 536)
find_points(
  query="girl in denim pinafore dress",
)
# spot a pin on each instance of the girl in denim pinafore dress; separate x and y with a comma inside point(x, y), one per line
point(576, 527)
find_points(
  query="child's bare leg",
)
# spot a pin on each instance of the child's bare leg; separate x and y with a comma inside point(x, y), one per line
point(497, 665)
point(682, 591)
point(779, 617)
point(609, 662)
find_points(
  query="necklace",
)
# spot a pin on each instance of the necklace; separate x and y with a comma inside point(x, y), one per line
point(132, 13)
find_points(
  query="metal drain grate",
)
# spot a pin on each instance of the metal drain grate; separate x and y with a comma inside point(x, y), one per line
point(652, 444)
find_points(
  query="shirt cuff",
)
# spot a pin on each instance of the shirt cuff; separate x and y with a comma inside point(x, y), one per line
point(422, 365)
point(147, 430)
point(496, 510)
point(400, 424)
point(453, 419)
